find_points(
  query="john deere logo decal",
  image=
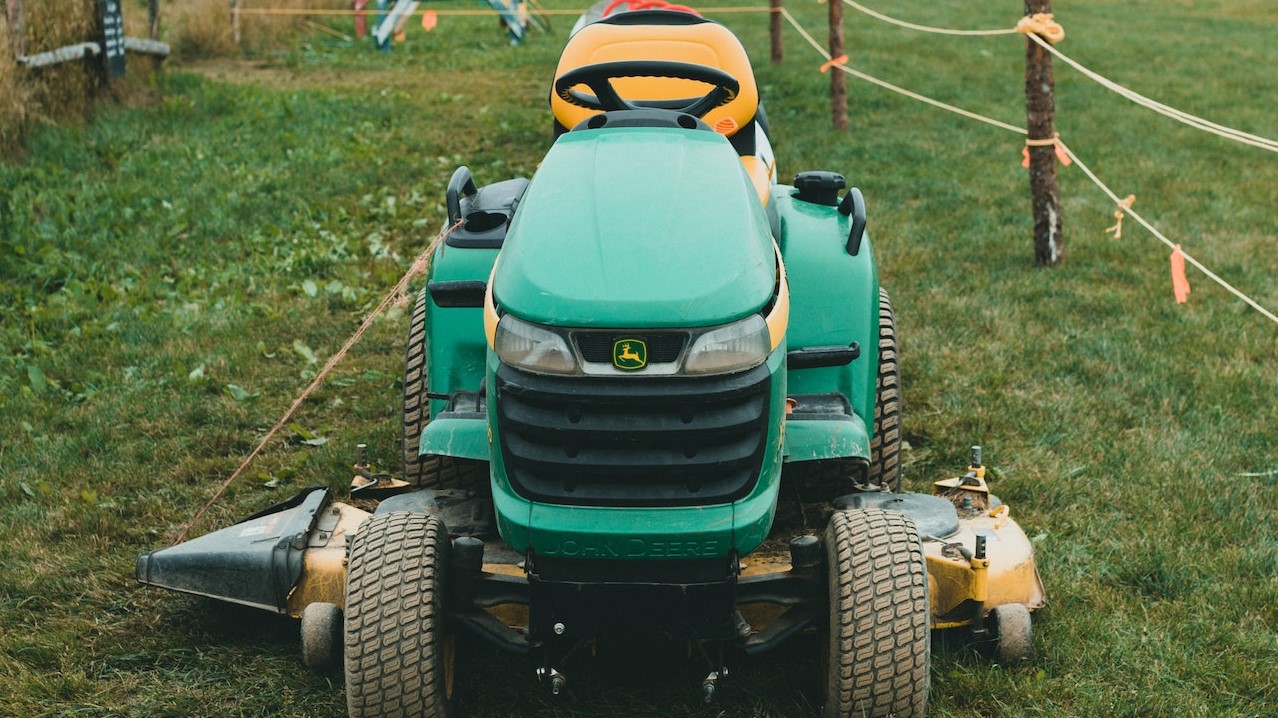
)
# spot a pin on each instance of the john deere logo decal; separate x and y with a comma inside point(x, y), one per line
point(629, 354)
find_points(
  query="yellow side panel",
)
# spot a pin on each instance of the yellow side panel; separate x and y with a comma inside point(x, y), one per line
point(1012, 576)
point(323, 577)
point(760, 176)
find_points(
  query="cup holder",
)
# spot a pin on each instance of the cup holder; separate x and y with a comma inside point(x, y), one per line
point(480, 222)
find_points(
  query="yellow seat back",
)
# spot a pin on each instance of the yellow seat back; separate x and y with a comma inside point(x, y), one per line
point(698, 43)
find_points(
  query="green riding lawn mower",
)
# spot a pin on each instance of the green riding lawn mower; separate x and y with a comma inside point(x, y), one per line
point(652, 394)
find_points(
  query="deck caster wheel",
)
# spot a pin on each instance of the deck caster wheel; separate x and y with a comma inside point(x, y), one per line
point(1013, 633)
point(322, 637)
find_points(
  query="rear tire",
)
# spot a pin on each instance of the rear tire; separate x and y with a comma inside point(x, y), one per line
point(885, 443)
point(877, 647)
point(398, 658)
point(435, 472)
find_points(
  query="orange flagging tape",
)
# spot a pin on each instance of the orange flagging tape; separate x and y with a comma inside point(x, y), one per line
point(430, 20)
point(840, 60)
point(1054, 141)
point(1180, 283)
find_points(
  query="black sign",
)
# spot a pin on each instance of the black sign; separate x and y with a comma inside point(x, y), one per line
point(112, 22)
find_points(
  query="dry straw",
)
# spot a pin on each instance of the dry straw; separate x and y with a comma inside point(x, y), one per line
point(68, 92)
point(203, 28)
point(57, 94)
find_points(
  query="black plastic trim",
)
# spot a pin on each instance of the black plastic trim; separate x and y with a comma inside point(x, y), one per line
point(853, 205)
point(687, 571)
point(661, 113)
point(933, 515)
point(654, 17)
point(662, 441)
point(485, 212)
point(673, 609)
point(455, 294)
point(815, 357)
point(462, 183)
point(818, 187)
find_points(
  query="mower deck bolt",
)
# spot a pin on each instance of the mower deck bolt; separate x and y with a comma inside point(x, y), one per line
point(710, 686)
point(553, 678)
point(558, 628)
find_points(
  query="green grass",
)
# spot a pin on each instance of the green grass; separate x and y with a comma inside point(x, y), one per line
point(155, 258)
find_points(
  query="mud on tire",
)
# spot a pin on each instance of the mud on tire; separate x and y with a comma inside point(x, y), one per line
point(877, 646)
point(397, 655)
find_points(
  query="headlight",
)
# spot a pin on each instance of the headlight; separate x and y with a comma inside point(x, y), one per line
point(532, 348)
point(737, 346)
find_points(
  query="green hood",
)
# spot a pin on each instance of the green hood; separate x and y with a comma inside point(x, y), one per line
point(637, 228)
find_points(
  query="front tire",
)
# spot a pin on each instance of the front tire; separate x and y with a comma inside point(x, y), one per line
point(877, 648)
point(398, 657)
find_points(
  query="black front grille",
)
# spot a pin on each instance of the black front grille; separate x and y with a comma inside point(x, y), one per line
point(669, 441)
point(663, 347)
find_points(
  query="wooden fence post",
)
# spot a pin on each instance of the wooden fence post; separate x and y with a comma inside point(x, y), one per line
point(17, 31)
point(235, 21)
point(774, 27)
point(838, 83)
point(1040, 108)
point(153, 19)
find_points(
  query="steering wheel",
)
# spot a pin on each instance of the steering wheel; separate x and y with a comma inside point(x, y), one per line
point(599, 76)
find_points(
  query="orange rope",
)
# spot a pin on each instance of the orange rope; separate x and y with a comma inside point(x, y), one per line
point(418, 266)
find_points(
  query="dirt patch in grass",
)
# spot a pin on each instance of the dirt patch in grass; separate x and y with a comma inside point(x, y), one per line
point(268, 74)
point(276, 76)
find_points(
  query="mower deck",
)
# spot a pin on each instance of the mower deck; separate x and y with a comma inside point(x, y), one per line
point(293, 555)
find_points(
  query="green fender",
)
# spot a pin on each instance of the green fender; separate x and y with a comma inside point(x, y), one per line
point(810, 440)
point(455, 343)
point(834, 300)
point(463, 438)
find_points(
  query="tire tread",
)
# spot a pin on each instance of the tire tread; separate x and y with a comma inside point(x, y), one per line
point(394, 615)
point(878, 640)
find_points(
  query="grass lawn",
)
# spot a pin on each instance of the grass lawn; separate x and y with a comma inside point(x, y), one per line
point(172, 275)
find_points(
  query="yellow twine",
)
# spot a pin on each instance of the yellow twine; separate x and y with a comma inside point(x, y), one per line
point(1054, 141)
point(1043, 25)
point(1048, 142)
point(1125, 204)
point(1060, 144)
point(923, 28)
